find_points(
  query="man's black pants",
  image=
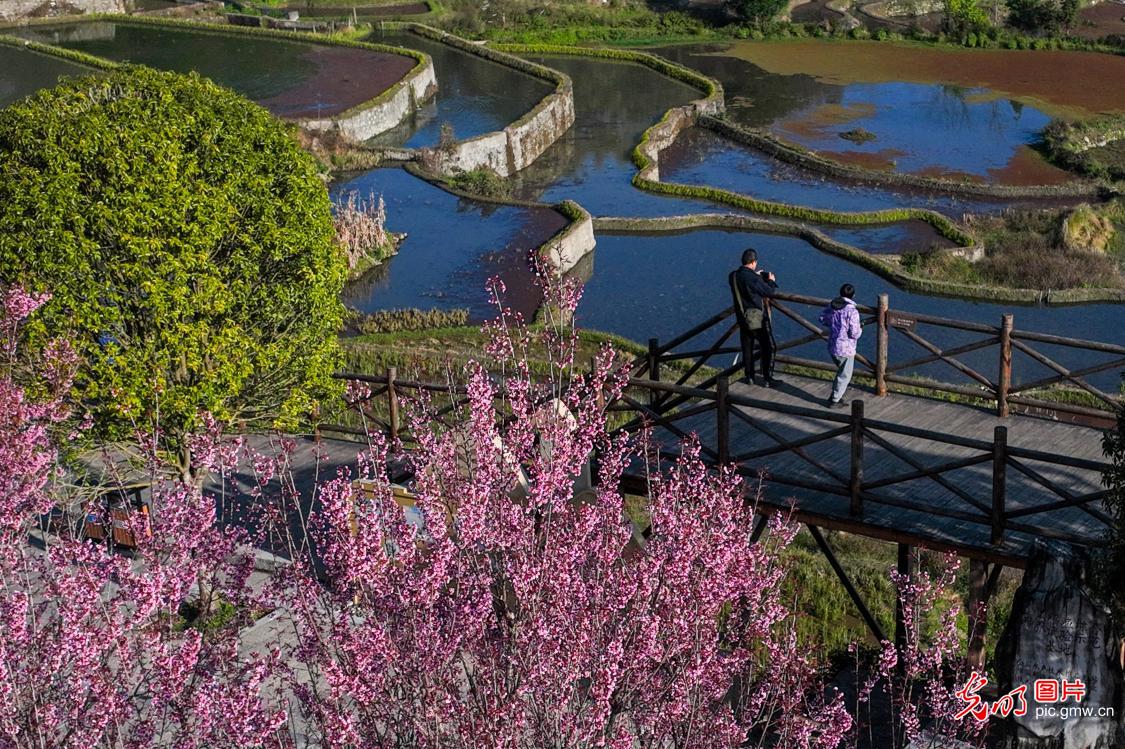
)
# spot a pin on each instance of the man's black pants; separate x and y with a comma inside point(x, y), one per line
point(764, 342)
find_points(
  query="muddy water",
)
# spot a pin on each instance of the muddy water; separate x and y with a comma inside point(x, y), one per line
point(701, 157)
point(23, 72)
point(475, 95)
point(972, 114)
point(291, 79)
point(1060, 83)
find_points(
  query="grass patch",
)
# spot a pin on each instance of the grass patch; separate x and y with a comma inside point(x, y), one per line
point(1025, 249)
point(572, 22)
point(482, 181)
point(404, 320)
point(1094, 147)
point(858, 135)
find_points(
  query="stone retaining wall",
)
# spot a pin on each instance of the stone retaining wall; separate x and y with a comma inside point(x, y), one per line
point(566, 250)
point(518, 145)
point(187, 9)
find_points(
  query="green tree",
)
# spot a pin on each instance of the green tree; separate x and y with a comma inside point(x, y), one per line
point(1042, 16)
point(758, 11)
point(964, 16)
point(188, 245)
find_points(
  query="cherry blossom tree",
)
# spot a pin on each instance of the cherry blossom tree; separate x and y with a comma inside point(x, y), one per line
point(91, 651)
point(513, 603)
point(511, 612)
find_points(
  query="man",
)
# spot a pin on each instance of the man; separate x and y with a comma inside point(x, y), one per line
point(750, 290)
point(844, 329)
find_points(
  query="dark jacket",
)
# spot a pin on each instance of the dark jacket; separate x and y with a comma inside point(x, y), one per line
point(754, 289)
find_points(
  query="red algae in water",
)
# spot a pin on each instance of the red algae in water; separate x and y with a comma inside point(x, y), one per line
point(1066, 84)
point(344, 77)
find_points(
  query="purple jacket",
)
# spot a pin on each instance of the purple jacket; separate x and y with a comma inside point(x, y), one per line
point(842, 319)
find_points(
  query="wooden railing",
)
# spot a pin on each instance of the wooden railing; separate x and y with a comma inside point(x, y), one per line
point(909, 365)
point(679, 386)
point(847, 436)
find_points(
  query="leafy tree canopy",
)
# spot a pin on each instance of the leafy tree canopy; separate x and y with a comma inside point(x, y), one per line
point(964, 16)
point(1042, 16)
point(758, 11)
point(187, 243)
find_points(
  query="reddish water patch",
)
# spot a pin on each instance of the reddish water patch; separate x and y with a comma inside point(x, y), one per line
point(943, 173)
point(344, 78)
point(883, 159)
point(822, 121)
point(1060, 83)
point(1028, 167)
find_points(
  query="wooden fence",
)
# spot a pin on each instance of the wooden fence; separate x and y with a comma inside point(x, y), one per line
point(684, 388)
point(897, 364)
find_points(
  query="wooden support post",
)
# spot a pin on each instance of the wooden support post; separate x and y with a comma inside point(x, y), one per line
point(760, 523)
point(1004, 380)
point(856, 480)
point(906, 569)
point(392, 403)
point(999, 481)
point(393, 418)
point(722, 419)
point(882, 341)
point(864, 612)
point(977, 600)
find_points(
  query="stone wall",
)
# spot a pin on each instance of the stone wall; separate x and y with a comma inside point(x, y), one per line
point(566, 250)
point(187, 9)
point(530, 137)
point(15, 10)
point(518, 145)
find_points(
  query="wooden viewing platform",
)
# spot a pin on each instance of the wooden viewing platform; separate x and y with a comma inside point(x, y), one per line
point(982, 464)
point(961, 436)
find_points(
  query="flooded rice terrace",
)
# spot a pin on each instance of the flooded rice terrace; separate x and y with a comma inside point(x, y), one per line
point(291, 79)
point(934, 112)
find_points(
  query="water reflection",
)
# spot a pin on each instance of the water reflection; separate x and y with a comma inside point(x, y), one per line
point(701, 157)
point(23, 72)
point(453, 247)
point(937, 129)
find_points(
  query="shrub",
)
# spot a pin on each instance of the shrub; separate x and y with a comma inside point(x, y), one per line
point(361, 231)
point(482, 181)
point(188, 245)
